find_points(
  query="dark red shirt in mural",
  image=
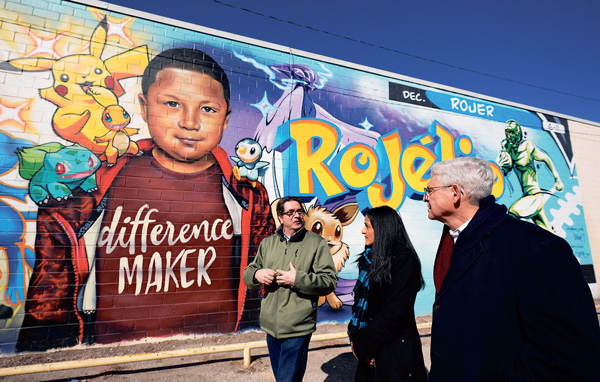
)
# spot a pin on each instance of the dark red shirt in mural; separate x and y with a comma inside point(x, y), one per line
point(164, 255)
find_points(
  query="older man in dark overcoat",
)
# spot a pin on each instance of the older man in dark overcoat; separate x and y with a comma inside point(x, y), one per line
point(511, 300)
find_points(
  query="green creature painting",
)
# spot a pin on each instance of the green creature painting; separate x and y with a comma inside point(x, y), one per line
point(520, 155)
point(56, 170)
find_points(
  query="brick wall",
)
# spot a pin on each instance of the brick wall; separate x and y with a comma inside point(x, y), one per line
point(128, 215)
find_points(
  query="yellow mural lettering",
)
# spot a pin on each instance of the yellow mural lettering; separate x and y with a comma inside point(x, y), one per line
point(465, 145)
point(352, 166)
point(377, 191)
point(498, 188)
point(447, 142)
point(413, 172)
point(313, 163)
point(381, 175)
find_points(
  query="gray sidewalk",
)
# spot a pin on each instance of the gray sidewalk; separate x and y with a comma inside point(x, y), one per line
point(330, 360)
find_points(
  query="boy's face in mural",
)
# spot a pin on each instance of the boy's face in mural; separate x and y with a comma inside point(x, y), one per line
point(186, 113)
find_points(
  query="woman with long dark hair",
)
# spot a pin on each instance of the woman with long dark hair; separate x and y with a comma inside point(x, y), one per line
point(382, 330)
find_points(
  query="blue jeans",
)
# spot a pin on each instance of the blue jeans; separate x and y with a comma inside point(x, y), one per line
point(288, 357)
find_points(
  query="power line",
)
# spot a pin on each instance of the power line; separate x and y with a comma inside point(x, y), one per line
point(406, 54)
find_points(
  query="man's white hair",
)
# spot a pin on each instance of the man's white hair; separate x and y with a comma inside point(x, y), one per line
point(473, 175)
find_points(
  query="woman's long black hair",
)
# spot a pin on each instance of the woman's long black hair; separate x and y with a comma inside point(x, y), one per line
point(391, 244)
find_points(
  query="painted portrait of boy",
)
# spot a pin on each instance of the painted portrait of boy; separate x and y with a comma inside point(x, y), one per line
point(177, 227)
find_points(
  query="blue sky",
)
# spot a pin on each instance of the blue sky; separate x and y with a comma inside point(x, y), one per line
point(548, 44)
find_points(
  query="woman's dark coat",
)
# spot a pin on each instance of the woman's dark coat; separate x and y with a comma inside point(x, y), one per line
point(391, 335)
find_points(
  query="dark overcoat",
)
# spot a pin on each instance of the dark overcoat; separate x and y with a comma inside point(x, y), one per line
point(514, 306)
point(391, 335)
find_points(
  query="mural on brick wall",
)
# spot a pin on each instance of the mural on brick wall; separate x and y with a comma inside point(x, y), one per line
point(140, 162)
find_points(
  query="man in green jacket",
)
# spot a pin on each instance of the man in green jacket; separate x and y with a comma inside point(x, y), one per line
point(295, 267)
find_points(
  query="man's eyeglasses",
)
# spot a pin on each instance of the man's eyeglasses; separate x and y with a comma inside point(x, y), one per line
point(291, 214)
point(430, 190)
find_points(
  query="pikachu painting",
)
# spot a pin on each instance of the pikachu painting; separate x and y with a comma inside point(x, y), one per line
point(85, 87)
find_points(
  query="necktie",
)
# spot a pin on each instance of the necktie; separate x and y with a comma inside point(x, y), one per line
point(442, 259)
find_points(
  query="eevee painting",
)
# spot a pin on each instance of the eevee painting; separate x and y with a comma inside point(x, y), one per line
point(330, 225)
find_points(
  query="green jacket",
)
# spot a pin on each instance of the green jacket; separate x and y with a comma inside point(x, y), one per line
point(292, 311)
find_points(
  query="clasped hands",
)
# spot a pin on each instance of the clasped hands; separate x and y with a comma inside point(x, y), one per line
point(268, 276)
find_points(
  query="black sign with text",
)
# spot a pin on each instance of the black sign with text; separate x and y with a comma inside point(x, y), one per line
point(408, 94)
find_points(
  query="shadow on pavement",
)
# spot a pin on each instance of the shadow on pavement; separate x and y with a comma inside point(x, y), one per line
point(340, 368)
